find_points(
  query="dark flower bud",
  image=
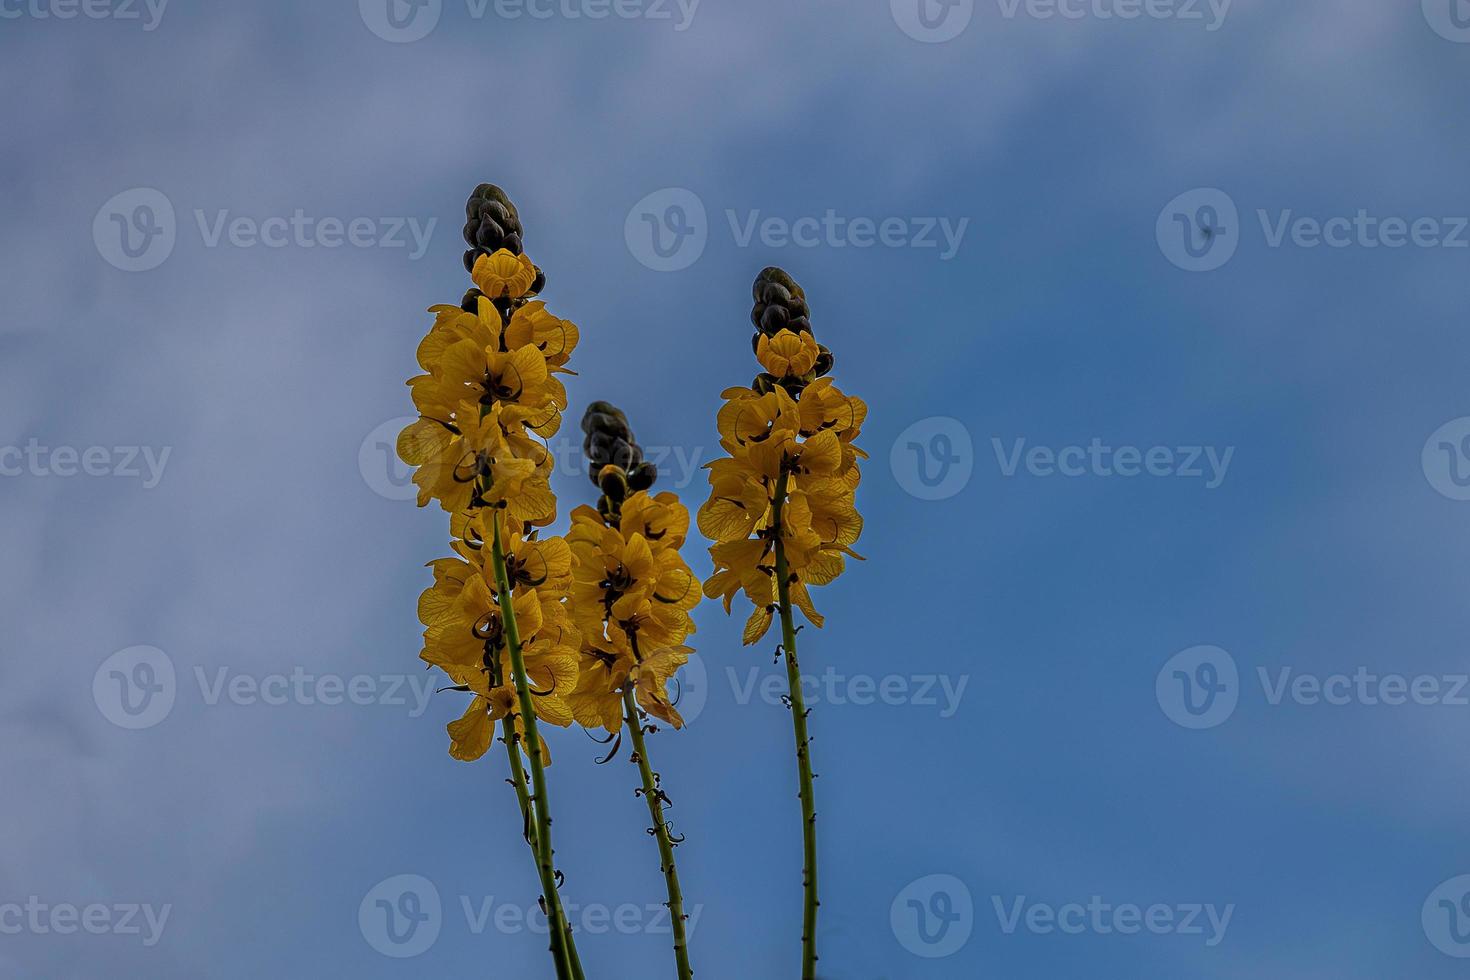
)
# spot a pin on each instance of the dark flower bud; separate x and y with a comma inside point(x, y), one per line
point(764, 383)
point(603, 415)
point(775, 293)
point(824, 361)
point(775, 274)
point(491, 224)
point(489, 232)
point(606, 509)
point(613, 482)
point(609, 439)
point(642, 476)
point(627, 454)
point(598, 446)
point(780, 304)
point(471, 301)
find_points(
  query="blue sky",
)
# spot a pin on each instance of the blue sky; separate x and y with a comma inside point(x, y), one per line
point(292, 177)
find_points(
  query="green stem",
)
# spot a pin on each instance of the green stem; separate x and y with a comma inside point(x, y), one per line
point(803, 746)
point(528, 818)
point(653, 796)
point(542, 809)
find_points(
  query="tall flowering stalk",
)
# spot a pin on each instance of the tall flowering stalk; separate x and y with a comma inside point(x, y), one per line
point(496, 618)
point(631, 598)
point(782, 512)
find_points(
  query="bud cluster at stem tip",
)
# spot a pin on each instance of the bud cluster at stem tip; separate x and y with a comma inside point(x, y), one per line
point(615, 461)
point(783, 342)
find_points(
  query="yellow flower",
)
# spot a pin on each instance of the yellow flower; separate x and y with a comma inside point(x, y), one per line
point(465, 637)
point(749, 419)
point(787, 354)
point(504, 274)
point(452, 324)
point(661, 519)
point(472, 462)
point(739, 501)
point(554, 337)
point(745, 564)
point(631, 597)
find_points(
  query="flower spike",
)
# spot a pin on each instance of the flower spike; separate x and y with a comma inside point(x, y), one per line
point(781, 512)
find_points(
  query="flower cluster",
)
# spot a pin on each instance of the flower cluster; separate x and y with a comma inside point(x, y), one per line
point(488, 397)
point(488, 391)
point(466, 635)
point(792, 471)
point(632, 592)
